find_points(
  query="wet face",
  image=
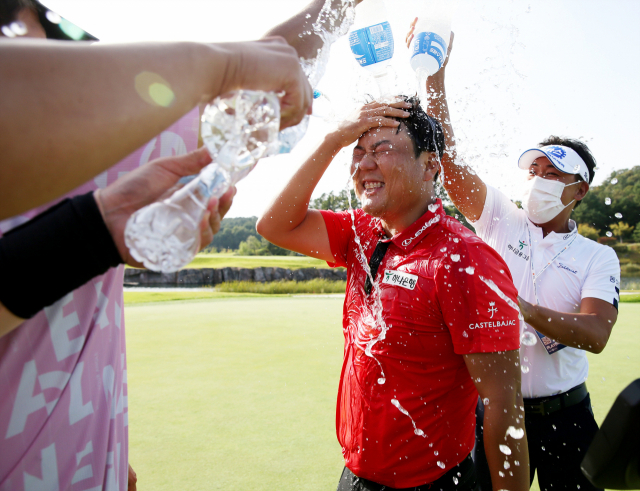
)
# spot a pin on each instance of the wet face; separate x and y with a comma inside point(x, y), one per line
point(389, 180)
point(542, 167)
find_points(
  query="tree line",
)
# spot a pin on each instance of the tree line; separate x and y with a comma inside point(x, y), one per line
point(612, 207)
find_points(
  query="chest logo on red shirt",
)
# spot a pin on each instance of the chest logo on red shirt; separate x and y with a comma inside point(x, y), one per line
point(400, 278)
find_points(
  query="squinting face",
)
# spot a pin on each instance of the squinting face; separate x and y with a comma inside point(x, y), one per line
point(542, 167)
point(388, 180)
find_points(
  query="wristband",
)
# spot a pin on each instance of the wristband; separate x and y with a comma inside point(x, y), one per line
point(53, 254)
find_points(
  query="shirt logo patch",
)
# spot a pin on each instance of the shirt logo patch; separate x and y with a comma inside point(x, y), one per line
point(492, 309)
point(483, 325)
point(518, 250)
point(522, 244)
point(408, 241)
point(400, 278)
point(562, 266)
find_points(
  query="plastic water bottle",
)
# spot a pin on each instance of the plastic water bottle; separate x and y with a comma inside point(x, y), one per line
point(371, 41)
point(431, 37)
point(238, 131)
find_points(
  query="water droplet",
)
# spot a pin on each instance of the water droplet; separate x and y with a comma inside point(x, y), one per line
point(506, 464)
point(485, 401)
point(618, 215)
point(528, 338)
point(505, 450)
point(609, 234)
point(516, 433)
point(455, 480)
point(418, 432)
point(549, 319)
point(441, 464)
point(464, 334)
point(433, 207)
point(435, 452)
point(516, 462)
point(501, 474)
point(524, 368)
point(607, 201)
point(455, 257)
point(470, 270)
point(382, 380)
point(614, 181)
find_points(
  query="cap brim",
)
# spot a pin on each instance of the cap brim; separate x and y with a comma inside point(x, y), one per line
point(527, 158)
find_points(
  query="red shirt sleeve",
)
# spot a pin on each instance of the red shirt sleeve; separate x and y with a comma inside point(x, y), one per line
point(480, 321)
point(339, 230)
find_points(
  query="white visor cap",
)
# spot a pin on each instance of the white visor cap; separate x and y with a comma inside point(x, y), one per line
point(564, 159)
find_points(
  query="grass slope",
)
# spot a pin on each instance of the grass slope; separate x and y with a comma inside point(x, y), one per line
point(231, 261)
point(239, 393)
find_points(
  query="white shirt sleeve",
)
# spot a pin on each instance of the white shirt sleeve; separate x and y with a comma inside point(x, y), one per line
point(603, 279)
point(496, 207)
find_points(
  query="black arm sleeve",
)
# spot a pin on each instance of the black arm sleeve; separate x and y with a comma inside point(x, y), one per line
point(53, 254)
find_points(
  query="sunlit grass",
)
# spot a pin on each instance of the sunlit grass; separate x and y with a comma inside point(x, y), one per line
point(239, 393)
point(317, 285)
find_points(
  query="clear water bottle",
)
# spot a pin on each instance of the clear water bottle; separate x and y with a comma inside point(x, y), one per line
point(237, 130)
point(371, 41)
point(431, 37)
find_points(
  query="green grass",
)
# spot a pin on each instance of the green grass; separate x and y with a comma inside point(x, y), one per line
point(630, 298)
point(231, 261)
point(317, 285)
point(239, 393)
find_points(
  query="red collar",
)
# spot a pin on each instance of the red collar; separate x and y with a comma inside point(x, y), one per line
point(418, 230)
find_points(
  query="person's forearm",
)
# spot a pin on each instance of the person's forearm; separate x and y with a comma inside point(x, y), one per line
point(299, 30)
point(587, 331)
point(290, 207)
point(8, 321)
point(99, 103)
point(508, 457)
point(466, 189)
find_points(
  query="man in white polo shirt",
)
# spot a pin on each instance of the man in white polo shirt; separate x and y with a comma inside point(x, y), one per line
point(568, 289)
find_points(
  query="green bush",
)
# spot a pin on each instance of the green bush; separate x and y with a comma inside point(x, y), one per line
point(607, 240)
point(588, 231)
point(620, 248)
point(317, 285)
point(630, 269)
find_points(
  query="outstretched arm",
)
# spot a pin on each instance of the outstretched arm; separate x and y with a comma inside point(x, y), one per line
point(71, 110)
point(289, 222)
point(294, 29)
point(467, 191)
point(588, 330)
point(116, 204)
point(497, 378)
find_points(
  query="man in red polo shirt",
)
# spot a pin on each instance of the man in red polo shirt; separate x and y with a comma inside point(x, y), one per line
point(430, 315)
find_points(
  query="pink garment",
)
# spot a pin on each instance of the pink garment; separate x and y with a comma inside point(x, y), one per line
point(63, 373)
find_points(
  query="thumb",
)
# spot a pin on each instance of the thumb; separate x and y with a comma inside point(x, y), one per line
point(188, 164)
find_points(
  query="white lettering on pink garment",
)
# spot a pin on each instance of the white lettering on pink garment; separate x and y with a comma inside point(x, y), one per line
point(63, 374)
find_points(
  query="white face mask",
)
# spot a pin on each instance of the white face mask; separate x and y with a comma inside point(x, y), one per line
point(541, 201)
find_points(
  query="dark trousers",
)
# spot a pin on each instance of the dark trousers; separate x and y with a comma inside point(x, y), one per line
point(462, 477)
point(557, 444)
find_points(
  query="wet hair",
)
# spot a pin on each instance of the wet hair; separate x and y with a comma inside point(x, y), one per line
point(580, 148)
point(425, 131)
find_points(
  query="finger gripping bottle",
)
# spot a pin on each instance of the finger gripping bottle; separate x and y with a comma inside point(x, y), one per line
point(371, 41)
point(238, 130)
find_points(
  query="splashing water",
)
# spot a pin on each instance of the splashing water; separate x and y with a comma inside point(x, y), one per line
point(607, 201)
point(515, 433)
point(505, 449)
point(506, 465)
point(528, 338)
point(376, 312)
point(455, 257)
point(455, 480)
point(609, 234)
point(499, 292)
point(524, 368)
point(441, 464)
point(469, 270)
point(618, 215)
point(416, 430)
point(614, 181)
point(485, 401)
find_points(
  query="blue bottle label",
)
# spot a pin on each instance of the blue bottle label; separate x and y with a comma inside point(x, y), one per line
point(431, 44)
point(372, 44)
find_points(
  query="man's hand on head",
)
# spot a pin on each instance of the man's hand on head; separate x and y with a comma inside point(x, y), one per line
point(151, 182)
point(372, 115)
